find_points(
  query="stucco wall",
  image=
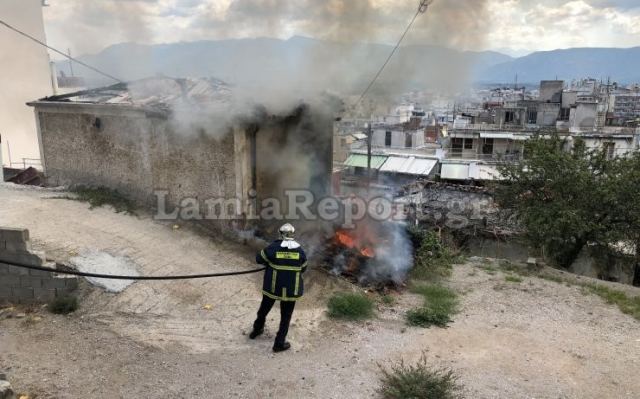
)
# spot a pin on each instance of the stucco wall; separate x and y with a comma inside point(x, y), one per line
point(24, 66)
point(133, 152)
point(548, 114)
point(398, 138)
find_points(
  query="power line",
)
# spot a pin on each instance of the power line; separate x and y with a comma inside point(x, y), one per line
point(422, 8)
point(116, 277)
point(59, 52)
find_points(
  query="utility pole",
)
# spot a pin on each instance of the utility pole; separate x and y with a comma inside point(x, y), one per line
point(369, 139)
point(424, 5)
point(70, 62)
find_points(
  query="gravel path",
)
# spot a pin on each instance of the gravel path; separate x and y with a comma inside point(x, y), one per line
point(534, 339)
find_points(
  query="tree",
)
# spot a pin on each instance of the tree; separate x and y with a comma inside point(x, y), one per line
point(566, 196)
point(627, 204)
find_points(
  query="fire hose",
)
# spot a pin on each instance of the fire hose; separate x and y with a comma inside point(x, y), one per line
point(115, 277)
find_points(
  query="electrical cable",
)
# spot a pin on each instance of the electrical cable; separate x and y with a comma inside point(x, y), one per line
point(116, 277)
point(60, 52)
point(424, 4)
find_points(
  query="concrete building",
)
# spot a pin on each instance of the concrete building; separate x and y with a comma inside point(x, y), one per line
point(25, 75)
point(133, 138)
point(551, 91)
point(625, 107)
point(616, 141)
point(397, 137)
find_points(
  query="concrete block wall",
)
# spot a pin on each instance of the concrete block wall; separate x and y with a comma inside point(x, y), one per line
point(25, 286)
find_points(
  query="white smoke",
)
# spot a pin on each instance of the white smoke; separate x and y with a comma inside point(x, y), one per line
point(394, 258)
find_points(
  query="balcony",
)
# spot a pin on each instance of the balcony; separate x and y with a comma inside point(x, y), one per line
point(507, 127)
point(494, 157)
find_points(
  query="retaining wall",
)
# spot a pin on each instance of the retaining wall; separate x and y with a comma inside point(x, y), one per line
point(24, 286)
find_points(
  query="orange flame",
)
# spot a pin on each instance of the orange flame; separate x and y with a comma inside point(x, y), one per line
point(346, 239)
point(368, 252)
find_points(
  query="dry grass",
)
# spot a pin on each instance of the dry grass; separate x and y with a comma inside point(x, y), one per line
point(419, 381)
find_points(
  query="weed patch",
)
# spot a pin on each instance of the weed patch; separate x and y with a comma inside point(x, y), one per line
point(63, 305)
point(419, 382)
point(432, 259)
point(551, 277)
point(440, 304)
point(388, 299)
point(628, 305)
point(513, 279)
point(101, 196)
point(350, 306)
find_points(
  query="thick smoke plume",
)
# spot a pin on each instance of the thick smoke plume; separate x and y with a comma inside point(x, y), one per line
point(343, 58)
point(274, 77)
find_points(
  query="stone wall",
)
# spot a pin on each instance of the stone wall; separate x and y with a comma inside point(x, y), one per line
point(605, 264)
point(133, 151)
point(24, 286)
point(461, 207)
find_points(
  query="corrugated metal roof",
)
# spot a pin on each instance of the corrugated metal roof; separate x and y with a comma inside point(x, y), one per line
point(156, 92)
point(359, 136)
point(360, 161)
point(409, 165)
point(454, 171)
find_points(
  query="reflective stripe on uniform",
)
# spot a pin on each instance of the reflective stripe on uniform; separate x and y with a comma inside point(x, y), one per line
point(286, 268)
point(286, 299)
point(295, 290)
point(274, 277)
point(281, 267)
point(288, 255)
point(264, 256)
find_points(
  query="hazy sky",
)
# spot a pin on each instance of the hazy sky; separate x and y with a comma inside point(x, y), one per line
point(518, 25)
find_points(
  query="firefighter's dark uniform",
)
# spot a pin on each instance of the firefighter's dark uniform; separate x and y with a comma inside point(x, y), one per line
point(283, 282)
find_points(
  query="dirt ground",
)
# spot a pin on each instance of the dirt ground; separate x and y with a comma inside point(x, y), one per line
point(534, 339)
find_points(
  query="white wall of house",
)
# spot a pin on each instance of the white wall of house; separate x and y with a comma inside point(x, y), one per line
point(619, 146)
point(398, 138)
point(24, 76)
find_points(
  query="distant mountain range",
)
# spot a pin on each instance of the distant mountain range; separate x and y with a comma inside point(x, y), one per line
point(306, 63)
point(619, 64)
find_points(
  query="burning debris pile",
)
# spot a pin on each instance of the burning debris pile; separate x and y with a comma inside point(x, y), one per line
point(373, 253)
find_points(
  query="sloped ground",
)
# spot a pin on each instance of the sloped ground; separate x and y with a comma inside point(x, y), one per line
point(534, 339)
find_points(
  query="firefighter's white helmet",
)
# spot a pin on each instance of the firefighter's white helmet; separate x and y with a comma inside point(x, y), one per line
point(287, 231)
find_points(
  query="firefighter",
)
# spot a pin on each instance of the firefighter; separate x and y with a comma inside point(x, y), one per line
point(286, 262)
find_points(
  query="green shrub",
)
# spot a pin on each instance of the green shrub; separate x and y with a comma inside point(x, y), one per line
point(419, 382)
point(63, 305)
point(427, 317)
point(432, 259)
point(350, 306)
point(100, 196)
point(440, 304)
